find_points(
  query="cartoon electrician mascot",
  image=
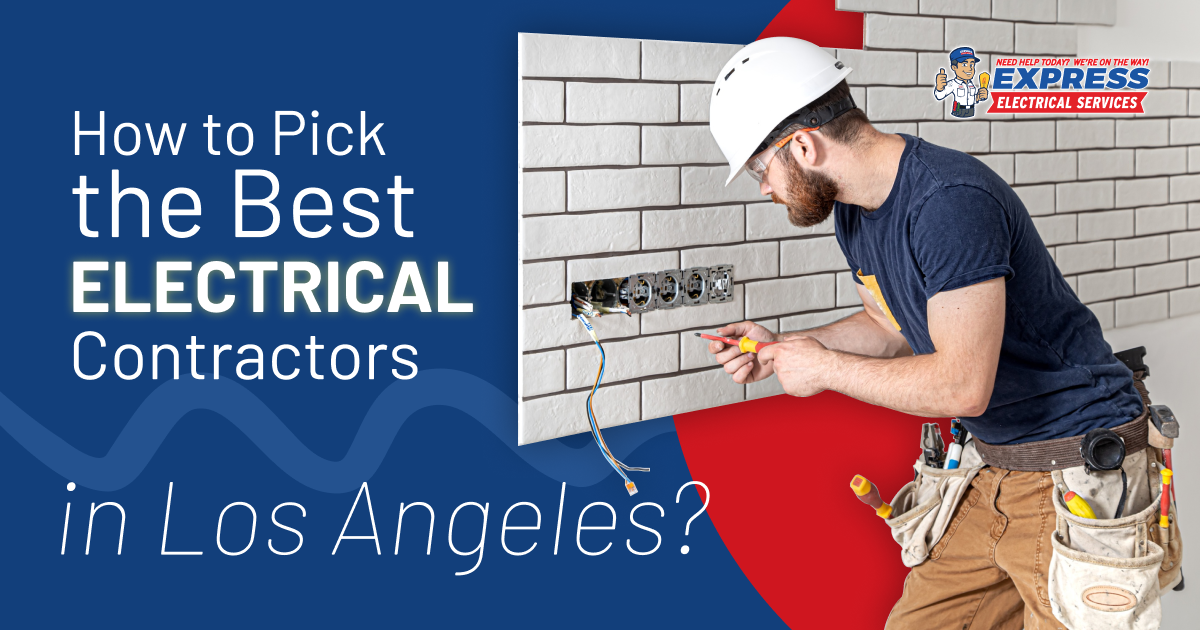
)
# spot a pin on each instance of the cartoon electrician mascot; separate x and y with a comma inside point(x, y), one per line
point(964, 92)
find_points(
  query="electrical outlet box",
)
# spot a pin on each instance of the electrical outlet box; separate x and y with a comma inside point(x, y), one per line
point(641, 291)
point(720, 281)
point(695, 286)
point(669, 290)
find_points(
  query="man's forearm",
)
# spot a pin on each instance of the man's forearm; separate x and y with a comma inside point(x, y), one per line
point(857, 334)
point(919, 385)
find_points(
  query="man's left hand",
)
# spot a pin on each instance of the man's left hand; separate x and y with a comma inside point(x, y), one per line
point(798, 363)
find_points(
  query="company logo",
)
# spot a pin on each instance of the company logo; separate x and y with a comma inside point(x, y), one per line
point(961, 87)
point(1069, 86)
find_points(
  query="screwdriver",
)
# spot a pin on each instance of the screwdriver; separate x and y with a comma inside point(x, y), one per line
point(745, 344)
point(869, 494)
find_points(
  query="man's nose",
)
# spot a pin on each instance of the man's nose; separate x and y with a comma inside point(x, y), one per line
point(764, 188)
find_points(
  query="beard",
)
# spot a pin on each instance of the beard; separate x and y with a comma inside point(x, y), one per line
point(811, 194)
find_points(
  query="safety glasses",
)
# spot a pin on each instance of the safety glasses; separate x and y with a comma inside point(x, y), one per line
point(757, 166)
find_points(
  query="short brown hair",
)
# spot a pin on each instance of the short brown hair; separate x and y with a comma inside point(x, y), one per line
point(844, 129)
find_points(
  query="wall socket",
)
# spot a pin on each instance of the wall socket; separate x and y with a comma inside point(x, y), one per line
point(648, 291)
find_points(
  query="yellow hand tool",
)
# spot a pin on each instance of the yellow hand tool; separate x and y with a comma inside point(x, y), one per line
point(869, 494)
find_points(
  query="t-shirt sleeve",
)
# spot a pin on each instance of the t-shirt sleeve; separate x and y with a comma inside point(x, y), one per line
point(961, 237)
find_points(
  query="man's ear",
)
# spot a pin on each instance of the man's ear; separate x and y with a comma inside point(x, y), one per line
point(805, 148)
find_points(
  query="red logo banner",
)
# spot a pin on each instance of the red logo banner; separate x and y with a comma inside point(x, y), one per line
point(1066, 102)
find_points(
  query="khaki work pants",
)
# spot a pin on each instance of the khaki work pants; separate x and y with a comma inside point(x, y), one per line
point(989, 570)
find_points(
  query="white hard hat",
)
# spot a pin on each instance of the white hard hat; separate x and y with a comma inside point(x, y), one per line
point(763, 84)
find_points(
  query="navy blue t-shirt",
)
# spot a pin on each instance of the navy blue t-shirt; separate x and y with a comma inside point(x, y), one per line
point(950, 222)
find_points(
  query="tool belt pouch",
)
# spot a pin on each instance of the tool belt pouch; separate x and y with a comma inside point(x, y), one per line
point(1109, 573)
point(924, 507)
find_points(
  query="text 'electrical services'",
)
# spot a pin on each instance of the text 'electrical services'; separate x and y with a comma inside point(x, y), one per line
point(1069, 86)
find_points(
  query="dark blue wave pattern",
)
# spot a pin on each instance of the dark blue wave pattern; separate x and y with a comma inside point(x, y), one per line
point(162, 409)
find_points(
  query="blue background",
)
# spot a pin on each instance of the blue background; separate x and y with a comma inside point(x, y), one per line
point(441, 79)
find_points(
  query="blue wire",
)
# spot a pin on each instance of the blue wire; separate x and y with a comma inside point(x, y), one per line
point(592, 418)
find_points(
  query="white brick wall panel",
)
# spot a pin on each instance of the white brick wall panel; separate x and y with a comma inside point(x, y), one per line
point(1160, 103)
point(1160, 74)
point(750, 261)
point(689, 392)
point(1185, 245)
point(542, 101)
point(1194, 159)
point(1001, 164)
point(1142, 251)
point(693, 352)
point(1087, 11)
point(543, 283)
point(1193, 216)
point(1038, 200)
point(542, 373)
point(557, 416)
point(1057, 229)
point(895, 103)
point(1141, 310)
point(767, 387)
point(1161, 219)
point(900, 31)
point(1099, 226)
point(1106, 164)
point(1104, 314)
point(622, 102)
point(1106, 285)
point(991, 36)
point(633, 358)
point(690, 317)
point(972, 137)
point(564, 235)
point(680, 145)
point(880, 67)
point(584, 269)
point(1084, 257)
point(1024, 10)
point(805, 321)
point(1045, 39)
point(1168, 161)
point(1185, 302)
point(1185, 74)
point(1193, 102)
point(693, 102)
point(684, 61)
point(543, 192)
point(1194, 272)
point(964, 8)
point(790, 295)
point(859, 94)
point(847, 290)
point(1185, 188)
point(1157, 278)
point(1023, 136)
point(908, 128)
point(810, 255)
point(564, 145)
point(1036, 168)
point(769, 220)
point(613, 189)
point(706, 184)
point(1143, 133)
point(552, 326)
point(1185, 131)
point(1076, 196)
point(1085, 134)
point(886, 6)
point(692, 226)
point(574, 56)
point(1132, 193)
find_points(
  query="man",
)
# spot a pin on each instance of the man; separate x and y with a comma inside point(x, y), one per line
point(962, 62)
point(965, 314)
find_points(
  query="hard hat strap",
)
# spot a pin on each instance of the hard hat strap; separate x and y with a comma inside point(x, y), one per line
point(810, 118)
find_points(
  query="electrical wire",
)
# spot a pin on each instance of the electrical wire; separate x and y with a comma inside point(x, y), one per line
point(599, 437)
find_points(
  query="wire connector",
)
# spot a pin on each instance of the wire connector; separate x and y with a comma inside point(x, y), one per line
point(631, 488)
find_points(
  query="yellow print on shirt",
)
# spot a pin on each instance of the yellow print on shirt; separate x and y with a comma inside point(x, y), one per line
point(877, 293)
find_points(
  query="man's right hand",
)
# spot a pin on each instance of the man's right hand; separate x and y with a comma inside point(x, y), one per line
point(743, 367)
point(941, 79)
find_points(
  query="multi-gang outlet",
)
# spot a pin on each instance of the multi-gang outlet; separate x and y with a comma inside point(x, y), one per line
point(648, 291)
